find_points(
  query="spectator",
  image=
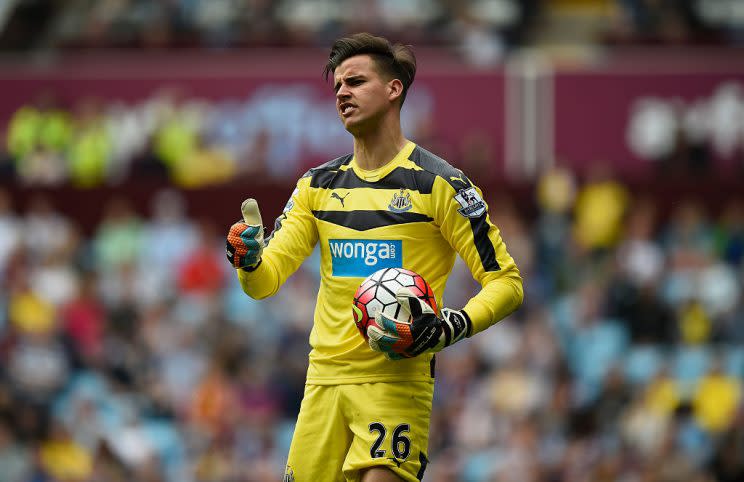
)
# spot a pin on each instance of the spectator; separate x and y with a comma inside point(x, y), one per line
point(716, 400)
point(91, 148)
point(62, 458)
point(118, 239)
point(10, 230)
point(600, 207)
point(15, 459)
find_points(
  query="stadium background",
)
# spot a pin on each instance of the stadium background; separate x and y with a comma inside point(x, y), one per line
point(608, 137)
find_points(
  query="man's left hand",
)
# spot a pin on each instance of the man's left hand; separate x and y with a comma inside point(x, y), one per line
point(419, 329)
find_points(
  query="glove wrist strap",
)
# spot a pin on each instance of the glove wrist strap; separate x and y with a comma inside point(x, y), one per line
point(456, 327)
point(250, 269)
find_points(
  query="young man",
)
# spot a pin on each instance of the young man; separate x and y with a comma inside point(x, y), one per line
point(366, 410)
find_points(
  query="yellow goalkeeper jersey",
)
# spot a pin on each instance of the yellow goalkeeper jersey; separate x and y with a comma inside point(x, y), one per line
point(416, 212)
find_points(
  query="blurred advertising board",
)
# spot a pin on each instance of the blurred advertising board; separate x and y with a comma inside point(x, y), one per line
point(633, 120)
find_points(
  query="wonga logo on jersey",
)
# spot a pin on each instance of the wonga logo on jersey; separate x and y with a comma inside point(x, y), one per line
point(362, 257)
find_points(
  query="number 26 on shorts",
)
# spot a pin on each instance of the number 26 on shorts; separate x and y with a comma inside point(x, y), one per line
point(400, 443)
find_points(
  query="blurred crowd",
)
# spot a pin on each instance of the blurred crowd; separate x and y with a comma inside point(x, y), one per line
point(263, 23)
point(675, 22)
point(132, 353)
point(481, 29)
point(95, 143)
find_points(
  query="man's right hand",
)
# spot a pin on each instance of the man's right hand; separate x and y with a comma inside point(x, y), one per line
point(245, 241)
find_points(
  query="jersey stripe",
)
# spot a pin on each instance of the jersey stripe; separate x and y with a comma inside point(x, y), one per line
point(400, 177)
point(326, 171)
point(363, 220)
point(483, 243)
point(277, 226)
point(323, 178)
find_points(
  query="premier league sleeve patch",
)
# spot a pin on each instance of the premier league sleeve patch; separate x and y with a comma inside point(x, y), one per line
point(472, 205)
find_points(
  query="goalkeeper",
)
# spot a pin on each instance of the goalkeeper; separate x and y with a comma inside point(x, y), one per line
point(366, 408)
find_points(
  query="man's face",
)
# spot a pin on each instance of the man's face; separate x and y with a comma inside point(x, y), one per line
point(362, 94)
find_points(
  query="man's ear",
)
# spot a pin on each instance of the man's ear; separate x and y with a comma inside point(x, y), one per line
point(395, 89)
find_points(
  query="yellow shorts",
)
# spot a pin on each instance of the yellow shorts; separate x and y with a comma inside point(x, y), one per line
point(342, 429)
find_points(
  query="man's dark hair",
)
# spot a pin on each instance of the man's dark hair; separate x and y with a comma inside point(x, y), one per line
point(395, 61)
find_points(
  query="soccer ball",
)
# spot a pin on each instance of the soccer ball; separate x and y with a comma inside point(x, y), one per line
point(377, 293)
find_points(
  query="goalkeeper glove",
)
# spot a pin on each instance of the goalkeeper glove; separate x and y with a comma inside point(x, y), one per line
point(245, 241)
point(421, 331)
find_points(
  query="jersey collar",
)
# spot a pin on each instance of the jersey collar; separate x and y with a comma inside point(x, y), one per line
point(375, 175)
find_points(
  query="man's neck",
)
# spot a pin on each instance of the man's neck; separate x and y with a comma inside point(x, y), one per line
point(376, 149)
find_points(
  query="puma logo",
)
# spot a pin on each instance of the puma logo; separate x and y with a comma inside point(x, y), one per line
point(459, 178)
point(336, 196)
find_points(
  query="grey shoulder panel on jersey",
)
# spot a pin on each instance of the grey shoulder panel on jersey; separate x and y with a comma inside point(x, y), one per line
point(436, 165)
point(461, 184)
point(320, 174)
